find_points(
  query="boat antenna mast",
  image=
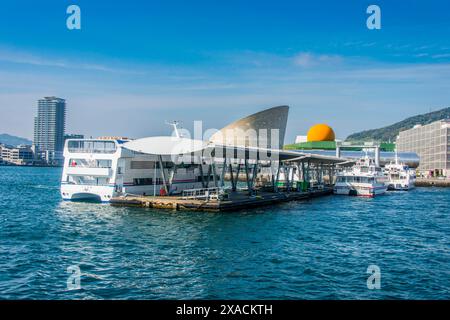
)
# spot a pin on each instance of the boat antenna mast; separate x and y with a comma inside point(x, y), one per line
point(396, 156)
point(175, 124)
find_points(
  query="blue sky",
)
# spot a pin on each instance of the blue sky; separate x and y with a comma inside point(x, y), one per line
point(135, 64)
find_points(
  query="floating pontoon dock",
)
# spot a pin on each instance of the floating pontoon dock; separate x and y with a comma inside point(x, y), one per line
point(236, 200)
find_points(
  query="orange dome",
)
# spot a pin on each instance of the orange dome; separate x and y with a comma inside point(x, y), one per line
point(320, 132)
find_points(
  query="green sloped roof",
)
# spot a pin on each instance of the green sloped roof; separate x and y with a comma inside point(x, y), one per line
point(324, 145)
point(331, 145)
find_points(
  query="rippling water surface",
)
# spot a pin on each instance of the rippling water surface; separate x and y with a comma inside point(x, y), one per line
point(299, 250)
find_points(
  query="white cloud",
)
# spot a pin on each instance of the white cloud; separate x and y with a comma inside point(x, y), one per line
point(439, 56)
point(26, 58)
point(308, 60)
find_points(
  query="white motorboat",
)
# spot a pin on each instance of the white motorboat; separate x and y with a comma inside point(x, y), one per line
point(400, 176)
point(363, 179)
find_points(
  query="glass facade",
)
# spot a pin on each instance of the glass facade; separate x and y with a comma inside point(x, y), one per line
point(91, 146)
point(432, 143)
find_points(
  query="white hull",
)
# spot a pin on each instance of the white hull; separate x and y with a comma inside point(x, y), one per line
point(400, 185)
point(361, 190)
point(89, 193)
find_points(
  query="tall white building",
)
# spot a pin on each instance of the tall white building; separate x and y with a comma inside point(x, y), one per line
point(49, 128)
point(432, 143)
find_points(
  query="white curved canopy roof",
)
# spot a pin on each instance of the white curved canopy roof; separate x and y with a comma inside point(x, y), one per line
point(166, 145)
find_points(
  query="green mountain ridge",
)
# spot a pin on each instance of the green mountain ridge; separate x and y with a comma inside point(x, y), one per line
point(389, 133)
point(10, 140)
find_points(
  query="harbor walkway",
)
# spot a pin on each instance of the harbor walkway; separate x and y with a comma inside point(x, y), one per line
point(432, 182)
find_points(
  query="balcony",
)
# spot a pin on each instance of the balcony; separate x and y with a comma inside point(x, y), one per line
point(86, 171)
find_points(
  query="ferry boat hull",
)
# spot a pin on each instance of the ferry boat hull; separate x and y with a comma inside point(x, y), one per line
point(368, 190)
point(400, 186)
point(87, 193)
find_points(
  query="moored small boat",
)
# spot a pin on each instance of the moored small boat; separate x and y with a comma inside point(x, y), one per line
point(400, 176)
point(363, 179)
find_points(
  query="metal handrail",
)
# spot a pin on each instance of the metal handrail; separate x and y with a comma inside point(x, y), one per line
point(202, 193)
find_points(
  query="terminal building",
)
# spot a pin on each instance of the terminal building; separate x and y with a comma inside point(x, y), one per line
point(432, 143)
point(321, 140)
point(241, 165)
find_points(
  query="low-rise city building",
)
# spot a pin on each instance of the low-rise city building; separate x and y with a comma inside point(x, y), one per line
point(20, 155)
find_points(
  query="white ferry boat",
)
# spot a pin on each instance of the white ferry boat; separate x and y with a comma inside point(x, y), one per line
point(400, 176)
point(364, 179)
point(99, 169)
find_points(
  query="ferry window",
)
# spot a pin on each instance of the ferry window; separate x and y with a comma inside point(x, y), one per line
point(142, 165)
point(73, 162)
point(142, 181)
point(168, 164)
point(211, 178)
point(86, 163)
point(104, 163)
point(87, 146)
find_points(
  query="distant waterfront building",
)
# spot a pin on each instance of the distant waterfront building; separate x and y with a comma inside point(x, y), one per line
point(20, 155)
point(322, 137)
point(49, 127)
point(300, 139)
point(432, 143)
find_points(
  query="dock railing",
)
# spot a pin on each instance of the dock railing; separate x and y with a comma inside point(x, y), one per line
point(203, 194)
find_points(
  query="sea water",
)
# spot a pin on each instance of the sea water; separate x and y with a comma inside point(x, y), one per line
point(317, 249)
